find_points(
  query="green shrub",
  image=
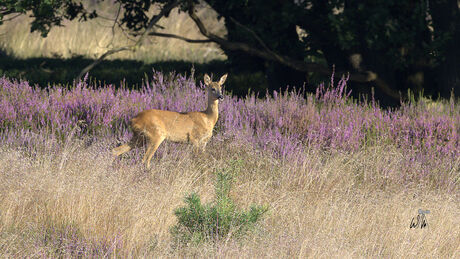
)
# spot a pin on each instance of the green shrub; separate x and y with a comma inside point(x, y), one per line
point(217, 220)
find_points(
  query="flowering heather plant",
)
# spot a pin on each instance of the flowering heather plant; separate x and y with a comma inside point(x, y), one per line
point(282, 125)
point(317, 160)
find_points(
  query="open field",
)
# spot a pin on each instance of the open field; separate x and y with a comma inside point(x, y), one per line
point(93, 38)
point(340, 178)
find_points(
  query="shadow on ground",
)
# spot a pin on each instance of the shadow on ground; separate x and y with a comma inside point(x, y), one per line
point(50, 71)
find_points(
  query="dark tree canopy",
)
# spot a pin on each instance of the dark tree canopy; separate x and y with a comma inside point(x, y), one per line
point(46, 13)
point(392, 45)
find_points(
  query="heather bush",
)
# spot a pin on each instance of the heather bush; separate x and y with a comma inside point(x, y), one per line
point(281, 124)
point(342, 178)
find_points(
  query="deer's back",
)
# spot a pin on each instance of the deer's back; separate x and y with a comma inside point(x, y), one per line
point(174, 126)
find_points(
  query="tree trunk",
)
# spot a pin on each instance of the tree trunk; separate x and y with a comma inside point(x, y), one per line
point(278, 33)
point(446, 18)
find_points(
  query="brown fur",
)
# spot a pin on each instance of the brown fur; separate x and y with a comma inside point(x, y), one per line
point(155, 126)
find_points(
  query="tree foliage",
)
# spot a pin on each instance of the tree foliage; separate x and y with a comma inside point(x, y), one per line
point(398, 40)
point(47, 13)
point(390, 44)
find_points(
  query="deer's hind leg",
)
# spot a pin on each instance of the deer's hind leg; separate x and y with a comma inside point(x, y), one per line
point(154, 142)
point(135, 141)
point(121, 149)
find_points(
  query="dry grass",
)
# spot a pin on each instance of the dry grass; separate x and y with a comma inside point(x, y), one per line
point(91, 39)
point(56, 203)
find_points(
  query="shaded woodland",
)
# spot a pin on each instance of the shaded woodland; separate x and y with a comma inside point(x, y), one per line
point(390, 46)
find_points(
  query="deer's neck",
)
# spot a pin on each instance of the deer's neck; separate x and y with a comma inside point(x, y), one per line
point(213, 110)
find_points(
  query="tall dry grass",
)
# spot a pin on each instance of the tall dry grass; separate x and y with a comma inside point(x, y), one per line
point(83, 202)
point(91, 39)
point(340, 179)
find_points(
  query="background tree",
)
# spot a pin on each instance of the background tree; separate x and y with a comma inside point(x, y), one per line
point(446, 32)
point(274, 23)
point(388, 44)
point(46, 13)
point(398, 40)
point(396, 43)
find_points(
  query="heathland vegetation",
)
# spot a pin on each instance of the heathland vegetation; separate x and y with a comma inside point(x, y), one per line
point(313, 171)
point(337, 177)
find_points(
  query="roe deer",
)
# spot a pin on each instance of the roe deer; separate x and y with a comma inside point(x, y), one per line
point(186, 127)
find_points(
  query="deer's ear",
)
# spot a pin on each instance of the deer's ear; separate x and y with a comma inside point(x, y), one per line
point(207, 80)
point(222, 79)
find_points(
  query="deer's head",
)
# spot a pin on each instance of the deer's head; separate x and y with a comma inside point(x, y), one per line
point(215, 88)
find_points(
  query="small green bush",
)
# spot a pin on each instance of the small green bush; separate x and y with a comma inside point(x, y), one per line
point(211, 222)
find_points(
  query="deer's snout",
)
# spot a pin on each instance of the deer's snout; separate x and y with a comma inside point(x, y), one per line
point(221, 97)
